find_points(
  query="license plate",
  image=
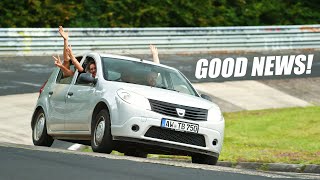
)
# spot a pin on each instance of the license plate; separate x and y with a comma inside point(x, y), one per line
point(179, 126)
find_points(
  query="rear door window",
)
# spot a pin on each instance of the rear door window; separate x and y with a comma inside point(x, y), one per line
point(67, 80)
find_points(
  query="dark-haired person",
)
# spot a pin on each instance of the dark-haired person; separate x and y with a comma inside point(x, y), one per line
point(91, 67)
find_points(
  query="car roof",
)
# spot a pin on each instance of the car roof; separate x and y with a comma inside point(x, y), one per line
point(130, 59)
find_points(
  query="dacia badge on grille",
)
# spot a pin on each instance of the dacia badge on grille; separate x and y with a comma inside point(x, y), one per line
point(180, 112)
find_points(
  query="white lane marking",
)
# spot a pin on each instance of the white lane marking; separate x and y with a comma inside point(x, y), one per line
point(8, 87)
point(39, 70)
point(75, 147)
point(26, 83)
point(6, 71)
point(34, 65)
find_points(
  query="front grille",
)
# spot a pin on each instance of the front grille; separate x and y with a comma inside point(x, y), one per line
point(192, 113)
point(176, 136)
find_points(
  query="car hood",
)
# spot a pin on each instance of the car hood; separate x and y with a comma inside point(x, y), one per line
point(167, 96)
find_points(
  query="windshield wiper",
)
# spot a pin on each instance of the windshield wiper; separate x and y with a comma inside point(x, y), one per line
point(163, 87)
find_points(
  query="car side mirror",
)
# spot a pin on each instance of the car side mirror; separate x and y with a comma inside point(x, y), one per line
point(86, 78)
point(206, 97)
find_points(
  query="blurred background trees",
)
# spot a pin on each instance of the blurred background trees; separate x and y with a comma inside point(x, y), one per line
point(157, 13)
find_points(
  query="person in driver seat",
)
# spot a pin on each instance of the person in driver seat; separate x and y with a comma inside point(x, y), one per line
point(126, 77)
point(151, 78)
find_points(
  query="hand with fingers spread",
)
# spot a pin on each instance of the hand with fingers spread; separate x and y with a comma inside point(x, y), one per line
point(66, 58)
point(73, 59)
point(154, 52)
point(64, 34)
point(57, 61)
point(66, 72)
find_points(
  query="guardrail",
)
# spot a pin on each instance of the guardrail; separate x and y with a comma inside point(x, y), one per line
point(47, 41)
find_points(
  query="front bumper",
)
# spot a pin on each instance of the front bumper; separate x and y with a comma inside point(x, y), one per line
point(129, 116)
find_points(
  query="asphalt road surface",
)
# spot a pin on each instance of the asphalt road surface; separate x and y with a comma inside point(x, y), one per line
point(27, 164)
point(27, 74)
point(23, 74)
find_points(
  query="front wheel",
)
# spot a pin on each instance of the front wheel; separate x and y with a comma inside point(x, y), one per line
point(204, 159)
point(101, 138)
point(40, 135)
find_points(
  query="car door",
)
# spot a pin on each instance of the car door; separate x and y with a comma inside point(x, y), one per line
point(57, 102)
point(80, 102)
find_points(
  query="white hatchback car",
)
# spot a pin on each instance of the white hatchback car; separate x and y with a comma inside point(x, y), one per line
point(133, 106)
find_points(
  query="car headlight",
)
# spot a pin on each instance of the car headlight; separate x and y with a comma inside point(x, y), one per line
point(214, 114)
point(134, 99)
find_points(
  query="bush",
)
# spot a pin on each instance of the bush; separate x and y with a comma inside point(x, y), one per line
point(154, 13)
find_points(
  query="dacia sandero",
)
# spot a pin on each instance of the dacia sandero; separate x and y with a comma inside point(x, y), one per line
point(134, 106)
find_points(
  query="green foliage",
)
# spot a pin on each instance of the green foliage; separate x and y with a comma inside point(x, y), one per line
point(156, 13)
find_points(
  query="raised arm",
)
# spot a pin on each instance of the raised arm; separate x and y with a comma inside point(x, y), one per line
point(66, 58)
point(74, 60)
point(66, 72)
point(154, 52)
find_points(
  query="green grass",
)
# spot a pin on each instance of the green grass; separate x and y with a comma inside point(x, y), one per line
point(290, 135)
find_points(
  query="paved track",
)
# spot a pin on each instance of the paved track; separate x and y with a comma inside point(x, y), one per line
point(23, 74)
point(27, 74)
point(28, 164)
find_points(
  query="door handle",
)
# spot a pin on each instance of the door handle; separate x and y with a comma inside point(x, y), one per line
point(70, 93)
point(51, 92)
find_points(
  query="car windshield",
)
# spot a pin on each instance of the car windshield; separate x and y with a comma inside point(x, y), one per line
point(145, 74)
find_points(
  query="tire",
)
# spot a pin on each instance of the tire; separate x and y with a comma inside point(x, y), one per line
point(101, 138)
point(40, 135)
point(136, 154)
point(204, 159)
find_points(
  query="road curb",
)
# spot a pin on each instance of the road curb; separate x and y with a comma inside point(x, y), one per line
point(280, 167)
